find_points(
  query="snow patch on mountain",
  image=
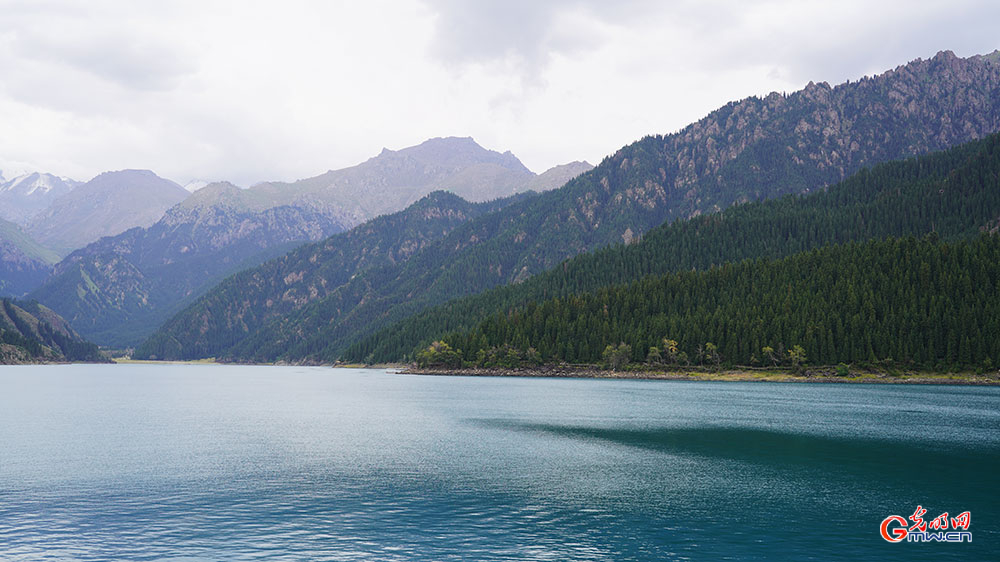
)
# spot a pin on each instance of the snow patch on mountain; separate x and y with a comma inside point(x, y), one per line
point(38, 184)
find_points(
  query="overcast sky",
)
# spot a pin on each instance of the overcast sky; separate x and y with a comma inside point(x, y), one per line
point(252, 91)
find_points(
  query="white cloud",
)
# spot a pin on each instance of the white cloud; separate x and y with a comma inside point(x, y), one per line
point(250, 91)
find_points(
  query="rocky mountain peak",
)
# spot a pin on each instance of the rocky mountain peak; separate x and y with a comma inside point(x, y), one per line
point(22, 197)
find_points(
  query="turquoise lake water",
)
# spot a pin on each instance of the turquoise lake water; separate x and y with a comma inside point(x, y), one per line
point(179, 462)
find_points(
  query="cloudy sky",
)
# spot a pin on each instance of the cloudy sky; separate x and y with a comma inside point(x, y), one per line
point(251, 91)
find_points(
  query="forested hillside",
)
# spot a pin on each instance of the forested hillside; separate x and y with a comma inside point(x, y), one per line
point(248, 300)
point(917, 302)
point(31, 333)
point(955, 193)
point(118, 290)
point(757, 148)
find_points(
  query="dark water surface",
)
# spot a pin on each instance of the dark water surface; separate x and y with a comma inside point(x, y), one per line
point(150, 462)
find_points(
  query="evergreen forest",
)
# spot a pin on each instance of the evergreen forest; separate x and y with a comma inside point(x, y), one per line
point(903, 301)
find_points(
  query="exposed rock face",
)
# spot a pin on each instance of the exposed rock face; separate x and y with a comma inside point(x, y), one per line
point(758, 148)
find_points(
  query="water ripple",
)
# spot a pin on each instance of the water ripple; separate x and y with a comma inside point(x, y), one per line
point(230, 463)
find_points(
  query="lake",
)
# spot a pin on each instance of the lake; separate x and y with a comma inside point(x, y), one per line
point(211, 462)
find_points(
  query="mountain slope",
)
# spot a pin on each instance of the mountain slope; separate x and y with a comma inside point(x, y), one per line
point(25, 196)
point(249, 299)
point(747, 150)
point(31, 333)
point(24, 264)
point(955, 194)
point(117, 290)
point(107, 205)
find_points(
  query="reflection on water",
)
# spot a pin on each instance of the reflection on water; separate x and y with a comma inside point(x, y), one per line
point(281, 463)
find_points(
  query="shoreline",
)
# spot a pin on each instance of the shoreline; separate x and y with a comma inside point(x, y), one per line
point(816, 375)
point(726, 375)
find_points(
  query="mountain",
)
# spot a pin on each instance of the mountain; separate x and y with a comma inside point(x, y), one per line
point(107, 205)
point(252, 298)
point(953, 194)
point(117, 290)
point(557, 176)
point(393, 180)
point(24, 264)
point(31, 333)
point(897, 302)
point(24, 196)
point(754, 149)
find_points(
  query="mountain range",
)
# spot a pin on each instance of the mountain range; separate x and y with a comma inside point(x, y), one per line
point(953, 195)
point(119, 289)
point(393, 180)
point(754, 149)
point(281, 285)
point(143, 252)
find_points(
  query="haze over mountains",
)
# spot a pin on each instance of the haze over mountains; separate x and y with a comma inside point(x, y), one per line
point(104, 206)
point(753, 149)
point(118, 289)
point(393, 180)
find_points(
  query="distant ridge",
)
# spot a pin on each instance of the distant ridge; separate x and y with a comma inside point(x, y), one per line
point(109, 204)
point(395, 179)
